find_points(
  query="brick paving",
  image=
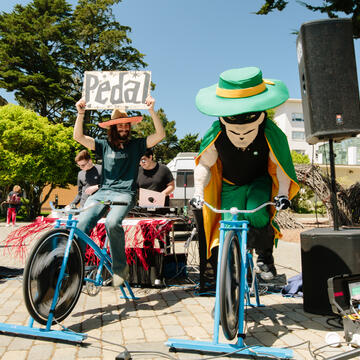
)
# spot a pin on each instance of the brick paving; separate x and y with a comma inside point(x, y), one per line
point(143, 326)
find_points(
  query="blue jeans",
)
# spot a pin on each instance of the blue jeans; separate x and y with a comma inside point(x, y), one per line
point(114, 229)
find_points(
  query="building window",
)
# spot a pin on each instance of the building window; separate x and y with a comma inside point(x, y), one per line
point(298, 135)
point(297, 117)
point(301, 152)
point(185, 178)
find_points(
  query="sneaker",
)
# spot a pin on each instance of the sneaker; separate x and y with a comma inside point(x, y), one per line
point(7, 225)
point(121, 277)
point(267, 272)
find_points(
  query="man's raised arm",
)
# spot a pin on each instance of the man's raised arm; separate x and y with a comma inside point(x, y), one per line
point(159, 134)
point(79, 136)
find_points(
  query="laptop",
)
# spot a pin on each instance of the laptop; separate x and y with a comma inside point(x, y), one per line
point(150, 198)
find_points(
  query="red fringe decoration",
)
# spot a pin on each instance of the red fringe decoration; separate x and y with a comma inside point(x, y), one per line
point(98, 235)
point(21, 237)
point(139, 238)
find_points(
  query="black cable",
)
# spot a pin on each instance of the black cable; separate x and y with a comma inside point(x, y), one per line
point(324, 346)
point(162, 354)
point(339, 320)
point(229, 353)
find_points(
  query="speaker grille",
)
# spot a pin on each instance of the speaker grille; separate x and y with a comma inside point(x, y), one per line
point(328, 80)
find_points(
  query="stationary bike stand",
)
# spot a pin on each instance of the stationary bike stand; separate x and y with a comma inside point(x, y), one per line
point(239, 348)
point(47, 332)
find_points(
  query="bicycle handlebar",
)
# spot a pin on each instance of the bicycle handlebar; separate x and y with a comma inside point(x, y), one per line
point(235, 210)
point(78, 211)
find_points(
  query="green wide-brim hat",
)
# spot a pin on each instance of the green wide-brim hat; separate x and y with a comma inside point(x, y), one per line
point(241, 91)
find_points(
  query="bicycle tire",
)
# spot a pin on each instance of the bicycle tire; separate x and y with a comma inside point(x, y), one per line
point(230, 271)
point(41, 275)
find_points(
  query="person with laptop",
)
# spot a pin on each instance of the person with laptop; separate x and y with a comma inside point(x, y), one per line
point(155, 176)
point(120, 154)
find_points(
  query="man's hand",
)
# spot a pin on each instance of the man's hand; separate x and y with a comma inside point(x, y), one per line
point(197, 202)
point(80, 106)
point(150, 102)
point(91, 189)
point(282, 202)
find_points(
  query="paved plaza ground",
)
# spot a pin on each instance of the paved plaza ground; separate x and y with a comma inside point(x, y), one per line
point(143, 326)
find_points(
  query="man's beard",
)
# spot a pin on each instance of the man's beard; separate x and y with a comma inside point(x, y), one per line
point(125, 137)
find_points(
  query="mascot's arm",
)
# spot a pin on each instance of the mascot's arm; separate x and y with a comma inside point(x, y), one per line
point(283, 179)
point(202, 172)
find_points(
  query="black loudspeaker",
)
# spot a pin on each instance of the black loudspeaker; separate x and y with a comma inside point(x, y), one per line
point(328, 80)
point(326, 253)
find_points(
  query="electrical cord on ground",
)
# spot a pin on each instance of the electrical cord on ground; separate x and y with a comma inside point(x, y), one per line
point(339, 324)
point(313, 352)
point(165, 355)
point(287, 268)
point(152, 352)
point(327, 345)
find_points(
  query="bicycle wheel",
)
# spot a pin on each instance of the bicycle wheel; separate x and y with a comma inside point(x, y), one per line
point(230, 285)
point(41, 275)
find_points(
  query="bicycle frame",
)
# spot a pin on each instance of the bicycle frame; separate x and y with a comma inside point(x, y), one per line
point(241, 228)
point(101, 254)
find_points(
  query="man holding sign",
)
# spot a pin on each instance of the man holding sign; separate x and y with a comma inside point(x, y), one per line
point(120, 159)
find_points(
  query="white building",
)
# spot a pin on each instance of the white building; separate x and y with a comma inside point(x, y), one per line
point(289, 117)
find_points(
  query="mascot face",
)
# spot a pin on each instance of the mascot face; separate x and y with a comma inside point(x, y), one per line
point(242, 135)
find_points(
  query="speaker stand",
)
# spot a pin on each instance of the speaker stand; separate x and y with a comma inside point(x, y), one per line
point(333, 196)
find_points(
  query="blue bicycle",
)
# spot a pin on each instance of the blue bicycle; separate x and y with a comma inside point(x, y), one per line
point(233, 292)
point(55, 271)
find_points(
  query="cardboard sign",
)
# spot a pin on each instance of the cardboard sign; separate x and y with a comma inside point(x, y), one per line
point(111, 89)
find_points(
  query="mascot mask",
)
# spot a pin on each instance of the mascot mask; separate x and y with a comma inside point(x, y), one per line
point(242, 135)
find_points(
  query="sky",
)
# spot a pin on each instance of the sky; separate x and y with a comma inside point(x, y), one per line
point(188, 43)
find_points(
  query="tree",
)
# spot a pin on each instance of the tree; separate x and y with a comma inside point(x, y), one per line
point(299, 158)
point(34, 153)
point(36, 48)
point(190, 143)
point(329, 7)
point(167, 148)
point(45, 47)
point(3, 101)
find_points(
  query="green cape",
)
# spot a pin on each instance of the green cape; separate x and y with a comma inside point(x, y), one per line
point(278, 145)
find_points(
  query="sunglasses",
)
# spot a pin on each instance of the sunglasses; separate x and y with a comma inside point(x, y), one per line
point(240, 119)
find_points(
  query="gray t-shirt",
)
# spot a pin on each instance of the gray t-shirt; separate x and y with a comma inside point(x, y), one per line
point(120, 166)
point(86, 178)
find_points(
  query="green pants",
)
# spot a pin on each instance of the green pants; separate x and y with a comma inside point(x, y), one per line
point(248, 197)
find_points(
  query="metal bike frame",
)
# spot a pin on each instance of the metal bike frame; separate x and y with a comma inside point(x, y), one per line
point(66, 335)
point(241, 228)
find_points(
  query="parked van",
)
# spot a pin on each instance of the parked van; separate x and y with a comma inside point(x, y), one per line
point(182, 168)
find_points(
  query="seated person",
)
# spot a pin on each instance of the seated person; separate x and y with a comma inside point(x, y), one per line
point(155, 176)
point(88, 180)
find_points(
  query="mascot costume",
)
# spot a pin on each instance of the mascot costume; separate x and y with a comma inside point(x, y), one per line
point(244, 159)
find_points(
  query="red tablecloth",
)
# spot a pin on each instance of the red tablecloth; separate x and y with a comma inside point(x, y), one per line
point(140, 234)
point(142, 237)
